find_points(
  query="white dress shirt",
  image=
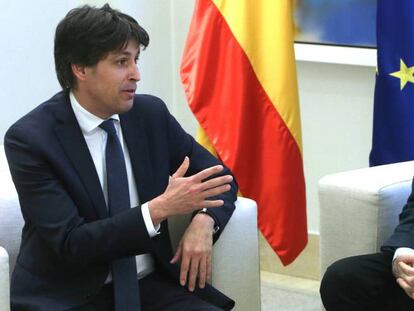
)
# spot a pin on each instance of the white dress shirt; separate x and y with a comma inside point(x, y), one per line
point(95, 138)
point(403, 251)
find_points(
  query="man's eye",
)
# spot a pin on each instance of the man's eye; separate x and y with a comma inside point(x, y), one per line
point(121, 62)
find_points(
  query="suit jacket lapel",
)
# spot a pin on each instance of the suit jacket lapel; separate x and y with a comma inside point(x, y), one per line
point(74, 144)
point(135, 136)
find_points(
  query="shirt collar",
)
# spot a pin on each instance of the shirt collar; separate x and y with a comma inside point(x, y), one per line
point(87, 121)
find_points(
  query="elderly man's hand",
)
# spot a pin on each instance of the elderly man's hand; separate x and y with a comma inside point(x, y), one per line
point(195, 251)
point(403, 270)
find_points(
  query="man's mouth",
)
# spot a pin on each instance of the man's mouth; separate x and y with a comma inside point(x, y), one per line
point(129, 91)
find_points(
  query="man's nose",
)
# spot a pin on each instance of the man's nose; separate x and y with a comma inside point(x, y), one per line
point(134, 73)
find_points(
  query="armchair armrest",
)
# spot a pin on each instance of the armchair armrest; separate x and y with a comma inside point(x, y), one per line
point(359, 209)
point(4, 281)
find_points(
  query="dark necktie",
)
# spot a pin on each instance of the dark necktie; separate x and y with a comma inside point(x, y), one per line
point(124, 270)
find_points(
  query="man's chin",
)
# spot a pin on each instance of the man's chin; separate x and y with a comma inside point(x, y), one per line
point(126, 106)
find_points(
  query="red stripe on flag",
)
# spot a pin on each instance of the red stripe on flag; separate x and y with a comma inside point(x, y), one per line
point(246, 130)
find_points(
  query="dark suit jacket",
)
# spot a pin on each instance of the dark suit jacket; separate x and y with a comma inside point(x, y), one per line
point(68, 241)
point(403, 235)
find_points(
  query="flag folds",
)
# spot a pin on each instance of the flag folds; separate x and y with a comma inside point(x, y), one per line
point(239, 76)
point(393, 132)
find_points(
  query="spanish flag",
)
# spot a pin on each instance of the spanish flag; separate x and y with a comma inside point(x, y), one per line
point(239, 76)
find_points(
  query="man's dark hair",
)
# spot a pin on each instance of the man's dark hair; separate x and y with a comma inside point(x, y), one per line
point(87, 34)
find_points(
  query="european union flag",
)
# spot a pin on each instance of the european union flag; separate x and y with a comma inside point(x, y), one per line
point(393, 133)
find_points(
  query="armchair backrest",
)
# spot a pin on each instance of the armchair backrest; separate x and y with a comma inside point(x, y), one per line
point(359, 209)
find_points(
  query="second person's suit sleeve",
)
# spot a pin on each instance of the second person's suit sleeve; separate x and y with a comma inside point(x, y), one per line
point(403, 235)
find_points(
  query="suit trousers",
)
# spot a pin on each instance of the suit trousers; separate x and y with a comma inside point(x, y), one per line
point(158, 293)
point(362, 283)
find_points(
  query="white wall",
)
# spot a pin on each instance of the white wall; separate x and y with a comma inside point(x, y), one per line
point(336, 106)
point(26, 55)
point(336, 100)
point(27, 75)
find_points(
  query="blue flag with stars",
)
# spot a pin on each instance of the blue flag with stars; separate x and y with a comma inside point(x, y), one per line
point(393, 132)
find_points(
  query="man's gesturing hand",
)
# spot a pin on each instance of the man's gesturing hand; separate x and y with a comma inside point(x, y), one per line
point(404, 272)
point(186, 194)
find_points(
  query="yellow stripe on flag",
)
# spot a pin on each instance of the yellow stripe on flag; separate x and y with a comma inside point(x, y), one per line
point(203, 140)
point(260, 29)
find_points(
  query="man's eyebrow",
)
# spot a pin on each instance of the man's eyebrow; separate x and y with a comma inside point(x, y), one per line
point(125, 53)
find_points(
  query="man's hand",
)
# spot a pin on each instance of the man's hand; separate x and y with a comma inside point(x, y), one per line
point(403, 270)
point(187, 194)
point(195, 251)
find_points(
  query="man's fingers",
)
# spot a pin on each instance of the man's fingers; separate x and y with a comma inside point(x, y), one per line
point(209, 266)
point(403, 284)
point(177, 255)
point(409, 280)
point(215, 182)
point(216, 191)
point(406, 287)
point(185, 265)
point(206, 173)
point(202, 272)
point(193, 274)
point(406, 273)
point(180, 172)
point(406, 268)
point(211, 203)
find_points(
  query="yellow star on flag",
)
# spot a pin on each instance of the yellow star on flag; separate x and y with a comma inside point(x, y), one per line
point(406, 74)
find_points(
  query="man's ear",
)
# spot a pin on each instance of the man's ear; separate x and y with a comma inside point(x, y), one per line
point(79, 71)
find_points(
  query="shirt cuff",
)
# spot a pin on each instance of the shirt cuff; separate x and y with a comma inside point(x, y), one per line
point(402, 251)
point(152, 231)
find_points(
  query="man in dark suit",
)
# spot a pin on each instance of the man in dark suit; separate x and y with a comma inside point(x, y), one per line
point(92, 168)
point(382, 281)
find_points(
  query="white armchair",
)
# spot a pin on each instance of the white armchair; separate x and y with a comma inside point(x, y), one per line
point(359, 209)
point(235, 259)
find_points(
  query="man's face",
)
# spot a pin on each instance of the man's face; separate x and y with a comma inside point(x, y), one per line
point(109, 86)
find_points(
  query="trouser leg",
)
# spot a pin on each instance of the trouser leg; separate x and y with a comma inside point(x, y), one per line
point(363, 283)
point(161, 293)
